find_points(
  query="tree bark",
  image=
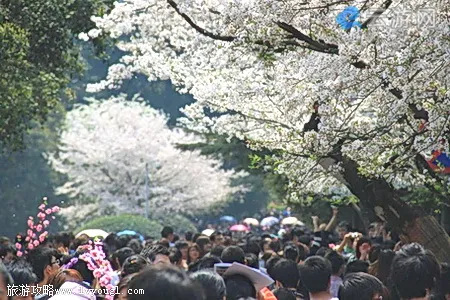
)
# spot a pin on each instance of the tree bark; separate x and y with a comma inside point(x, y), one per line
point(377, 196)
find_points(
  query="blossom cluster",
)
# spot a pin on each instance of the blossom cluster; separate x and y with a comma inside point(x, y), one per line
point(36, 232)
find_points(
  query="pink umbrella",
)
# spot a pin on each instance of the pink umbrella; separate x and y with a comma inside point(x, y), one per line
point(239, 227)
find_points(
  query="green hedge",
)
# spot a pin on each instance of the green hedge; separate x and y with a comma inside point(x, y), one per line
point(124, 222)
point(179, 223)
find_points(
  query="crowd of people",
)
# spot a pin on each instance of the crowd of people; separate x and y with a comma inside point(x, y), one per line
point(326, 262)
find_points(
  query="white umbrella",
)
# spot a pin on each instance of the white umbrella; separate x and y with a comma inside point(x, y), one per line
point(208, 232)
point(93, 233)
point(251, 221)
point(289, 221)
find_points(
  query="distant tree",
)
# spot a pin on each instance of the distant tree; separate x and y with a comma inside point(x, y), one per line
point(107, 146)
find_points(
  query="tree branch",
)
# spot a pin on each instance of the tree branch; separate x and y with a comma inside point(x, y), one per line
point(198, 28)
point(376, 14)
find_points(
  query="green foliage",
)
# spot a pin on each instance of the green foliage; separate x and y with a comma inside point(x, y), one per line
point(26, 177)
point(38, 55)
point(125, 222)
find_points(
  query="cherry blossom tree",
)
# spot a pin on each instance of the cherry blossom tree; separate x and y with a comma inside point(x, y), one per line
point(108, 148)
point(353, 95)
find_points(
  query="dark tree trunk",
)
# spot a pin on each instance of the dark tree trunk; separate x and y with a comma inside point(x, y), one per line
point(378, 197)
point(445, 218)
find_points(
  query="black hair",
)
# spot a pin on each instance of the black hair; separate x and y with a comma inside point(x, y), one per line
point(181, 244)
point(212, 237)
point(374, 253)
point(82, 268)
point(360, 286)
point(217, 250)
point(253, 247)
point(6, 278)
point(345, 225)
point(275, 245)
point(212, 283)
point(22, 273)
point(63, 238)
point(284, 294)
point(323, 251)
point(286, 272)
point(165, 282)
point(291, 252)
point(134, 264)
point(233, 254)
point(5, 249)
point(136, 245)
point(252, 260)
point(357, 266)
point(443, 284)
point(175, 256)
point(384, 265)
point(122, 241)
point(188, 236)
point(151, 251)
point(204, 263)
point(239, 286)
point(414, 270)
point(40, 258)
point(270, 264)
point(336, 260)
point(316, 273)
point(166, 231)
point(121, 255)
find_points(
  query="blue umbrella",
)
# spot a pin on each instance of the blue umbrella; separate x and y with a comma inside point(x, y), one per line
point(229, 219)
point(130, 232)
point(269, 221)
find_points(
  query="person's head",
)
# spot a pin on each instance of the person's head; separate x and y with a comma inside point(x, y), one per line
point(136, 245)
point(284, 294)
point(22, 275)
point(167, 233)
point(291, 252)
point(233, 254)
point(193, 253)
point(270, 264)
point(372, 230)
point(217, 251)
point(217, 238)
point(134, 264)
point(183, 246)
point(122, 287)
point(286, 274)
point(7, 253)
point(175, 257)
point(238, 287)
point(156, 254)
point(212, 283)
point(119, 256)
point(204, 263)
point(414, 271)
point(45, 262)
point(357, 266)
point(61, 241)
point(362, 245)
point(5, 281)
point(188, 236)
point(164, 282)
point(58, 279)
point(342, 229)
point(252, 260)
point(337, 263)
point(316, 274)
point(362, 286)
point(204, 243)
